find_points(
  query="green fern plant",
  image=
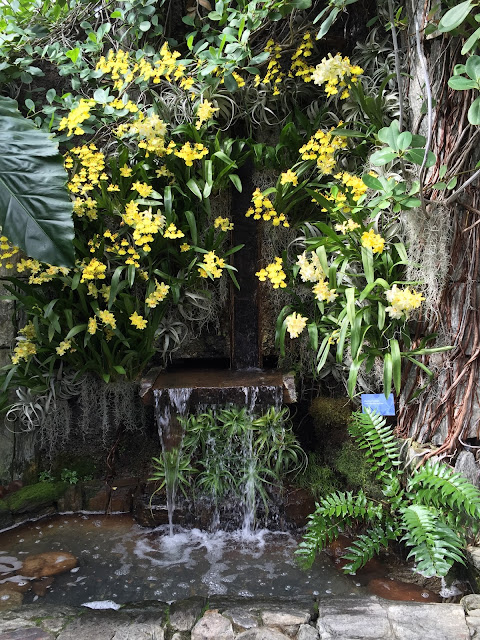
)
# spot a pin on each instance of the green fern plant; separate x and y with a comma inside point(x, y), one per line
point(433, 511)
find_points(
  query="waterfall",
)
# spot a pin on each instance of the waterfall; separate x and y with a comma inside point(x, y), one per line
point(232, 480)
point(170, 404)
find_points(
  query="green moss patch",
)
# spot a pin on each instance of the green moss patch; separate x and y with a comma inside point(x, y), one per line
point(35, 495)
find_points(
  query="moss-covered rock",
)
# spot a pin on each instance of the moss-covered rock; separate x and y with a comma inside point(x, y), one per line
point(357, 471)
point(331, 417)
point(318, 479)
point(35, 496)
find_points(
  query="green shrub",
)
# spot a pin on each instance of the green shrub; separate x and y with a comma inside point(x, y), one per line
point(434, 511)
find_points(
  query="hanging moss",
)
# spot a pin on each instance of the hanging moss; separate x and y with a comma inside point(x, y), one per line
point(35, 495)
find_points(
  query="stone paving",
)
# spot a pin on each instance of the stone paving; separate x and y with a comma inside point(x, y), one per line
point(346, 618)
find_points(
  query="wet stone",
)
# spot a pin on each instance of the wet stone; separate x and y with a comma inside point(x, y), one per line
point(471, 602)
point(435, 622)
point(140, 631)
point(31, 633)
point(213, 626)
point(285, 618)
point(262, 633)
point(9, 599)
point(346, 618)
point(101, 626)
point(185, 613)
point(306, 632)
point(49, 563)
point(241, 619)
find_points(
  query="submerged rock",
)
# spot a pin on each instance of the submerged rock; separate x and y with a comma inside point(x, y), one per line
point(9, 598)
point(50, 563)
point(402, 591)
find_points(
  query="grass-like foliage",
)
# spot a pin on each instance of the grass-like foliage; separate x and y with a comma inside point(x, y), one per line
point(433, 512)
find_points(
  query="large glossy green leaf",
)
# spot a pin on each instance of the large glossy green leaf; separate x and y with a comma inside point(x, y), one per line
point(454, 17)
point(35, 207)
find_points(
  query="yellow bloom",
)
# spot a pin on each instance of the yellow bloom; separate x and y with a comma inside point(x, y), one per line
point(323, 293)
point(185, 247)
point(289, 177)
point(212, 265)
point(373, 241)
point(335, 72)
point(172, 232)
point(92, 326)
point(24, 350)
point(125, 171)
point(143, 189)
point(295, 324)
point(275, 273)
point(94, 269)
point(223, 223)
point(76, 116)
point(403, 301)
point(138, 321)
point(160, 293)
point(63, 347)
point(108, 318)
point(189, 153)
point(204, 112)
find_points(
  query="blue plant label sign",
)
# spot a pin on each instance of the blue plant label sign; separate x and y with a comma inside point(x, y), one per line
point(378, 402)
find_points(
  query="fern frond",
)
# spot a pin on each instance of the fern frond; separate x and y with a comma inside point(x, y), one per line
point(370, 431)
point(367, 545)
point(434, 546)
point(437, 484)
point(332, 515)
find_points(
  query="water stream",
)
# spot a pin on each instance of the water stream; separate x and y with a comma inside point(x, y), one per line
point(121, 561)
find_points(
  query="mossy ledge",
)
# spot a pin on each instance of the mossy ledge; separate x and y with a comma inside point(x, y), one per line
point(35, 495)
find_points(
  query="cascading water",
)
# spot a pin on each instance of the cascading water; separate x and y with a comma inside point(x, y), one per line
point(231, 471)
point(170, 404)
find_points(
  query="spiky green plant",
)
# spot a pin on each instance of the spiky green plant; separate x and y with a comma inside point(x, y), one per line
point(433, 510)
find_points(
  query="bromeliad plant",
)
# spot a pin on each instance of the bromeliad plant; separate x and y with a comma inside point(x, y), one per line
point(431, 509)
point(223, 451)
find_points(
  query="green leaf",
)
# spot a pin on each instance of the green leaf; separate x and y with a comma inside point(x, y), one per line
point(230, 83)
point(471, 42)
point(387, 374)
point(35, 207)
point(474, 112)
point(236, 181)
point(145, 25)
point(372, 182)
point(460, 83)
point(454, 17)
point(194, 188)
point(389, 135)
point(396, 364)
point(404, 140)
point(192, 223)
point(381, 157)
point(416, 156)
point(472, 68)
point(73, 54)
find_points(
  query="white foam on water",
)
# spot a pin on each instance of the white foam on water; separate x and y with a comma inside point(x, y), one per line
point(102, 604)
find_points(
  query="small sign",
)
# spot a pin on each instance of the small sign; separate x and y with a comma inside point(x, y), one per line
point(379, 403)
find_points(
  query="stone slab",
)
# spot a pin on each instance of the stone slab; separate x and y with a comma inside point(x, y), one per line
point(213, 626)
point(262, 633)
point(184, 614)
point(351, 618)
point(428, 621)
point(30, 633)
